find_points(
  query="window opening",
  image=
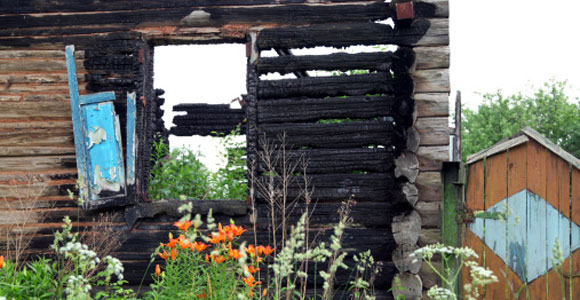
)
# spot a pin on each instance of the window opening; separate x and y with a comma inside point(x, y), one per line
point(204, 87)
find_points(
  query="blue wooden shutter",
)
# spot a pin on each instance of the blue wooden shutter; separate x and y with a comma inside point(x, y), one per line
point(98, 143)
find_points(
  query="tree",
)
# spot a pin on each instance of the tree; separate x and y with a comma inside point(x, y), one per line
point(548, 111)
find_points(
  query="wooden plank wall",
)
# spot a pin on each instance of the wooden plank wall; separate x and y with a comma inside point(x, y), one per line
point(116, 39)
point(524, 175)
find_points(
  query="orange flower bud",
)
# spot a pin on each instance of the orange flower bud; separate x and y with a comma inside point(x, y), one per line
point(157, 270)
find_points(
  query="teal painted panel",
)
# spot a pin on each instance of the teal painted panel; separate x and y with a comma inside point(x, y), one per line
point(537, 246)
point(80, 150)
point(131, 147)
point(518, 238)
point(495, 230)
point(533, 227)
point(102, 141)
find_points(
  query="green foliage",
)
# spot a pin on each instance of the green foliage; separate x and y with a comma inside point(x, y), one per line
point(549, 111)
point(180, 175)
point(71, 275)
point(453, 260)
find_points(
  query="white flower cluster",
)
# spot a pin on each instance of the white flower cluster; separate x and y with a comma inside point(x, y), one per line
point(428, 251)
point(439, 293)
point(114, 266)
point(76, 284)
point(79, 248)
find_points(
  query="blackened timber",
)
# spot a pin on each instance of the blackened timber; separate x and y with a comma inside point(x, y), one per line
point(346, 85)
point(213, 130)
point(43, 6)
point(204, 108)
point(375, 187)
point(312, 109)
point(217, 16)
point(342, 35)
point(334, 161)
point(379, 61)
point(332, 136)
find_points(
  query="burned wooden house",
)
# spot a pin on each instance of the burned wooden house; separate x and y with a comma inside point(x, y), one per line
point(400, 107)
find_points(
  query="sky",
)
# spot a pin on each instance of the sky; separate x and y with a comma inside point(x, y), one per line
point(512, 45)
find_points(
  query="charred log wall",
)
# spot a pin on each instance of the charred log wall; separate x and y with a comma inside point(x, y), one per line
point(115, 42)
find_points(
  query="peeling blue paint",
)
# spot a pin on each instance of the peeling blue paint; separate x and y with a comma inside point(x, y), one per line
point(131, 142)
point(533, 227)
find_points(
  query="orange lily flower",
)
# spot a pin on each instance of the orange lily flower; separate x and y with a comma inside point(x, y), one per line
point(234, 230)
point(265, 250)
point(171, 243)
point(157, 270)
point(183, 226)
point(184, 244)
point(207, 257)
point(251, 250)
point(164, 255)
point(173, 254)
point(250, 281)
point(1, 261)
point(235, 254)
point(216, 239)
point(199, 246)
point(251, 269)
point(218, 259)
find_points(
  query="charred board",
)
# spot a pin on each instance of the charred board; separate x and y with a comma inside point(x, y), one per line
point(313, 109)
point(353, 85)
point(380, 61)
point(333, 136)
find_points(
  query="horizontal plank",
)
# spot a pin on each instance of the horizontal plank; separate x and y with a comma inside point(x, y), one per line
point(35, 97)
point(39, 78)
point(46, 137)
point(424, 32)
point(432, 8)
point(27, 53)
point(433, 131)
point(343, 135)
point(430, 186)
point(41, 189)
point(205, 108)
point(432, 57)
point(43, 6)
point(379, 61)
point(333, 161)
point(376, 187)
point(59, 88)
point(354, 85)
point(30, 123)
point(313, 109)
point(431, 158)
point(35, 64)
point(432, 104)
point(212, 16)
point(432, 81)
point(36, 150)
point(35, 109)
point(210, 130)
point(37, 163)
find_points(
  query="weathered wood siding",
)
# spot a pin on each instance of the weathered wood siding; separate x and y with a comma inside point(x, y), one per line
point(533, 187)
point(115, 42)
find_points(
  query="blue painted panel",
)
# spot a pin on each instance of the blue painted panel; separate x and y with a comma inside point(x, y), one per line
point(131, 146)
point(518, 237)
point(80, 149)
point(495, 231)
point(96, 98)
point(557, 228)
point(102, 143)
point(575, 242)
point(537, 246)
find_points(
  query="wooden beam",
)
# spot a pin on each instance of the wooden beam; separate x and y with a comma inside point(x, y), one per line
point(353, 85)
